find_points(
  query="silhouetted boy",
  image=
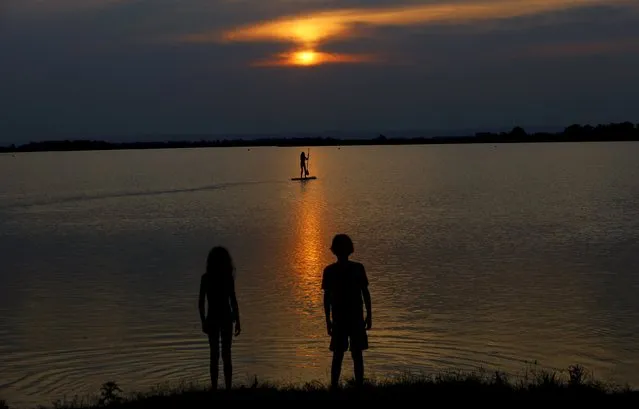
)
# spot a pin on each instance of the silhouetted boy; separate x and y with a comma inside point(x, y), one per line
point(345, 286)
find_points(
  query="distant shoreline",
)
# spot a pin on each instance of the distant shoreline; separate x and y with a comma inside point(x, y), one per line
point(616, 132)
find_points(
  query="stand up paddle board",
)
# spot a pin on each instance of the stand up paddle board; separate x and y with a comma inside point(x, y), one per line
point(306, 178)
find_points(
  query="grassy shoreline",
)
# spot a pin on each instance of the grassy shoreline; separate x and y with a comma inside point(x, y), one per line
point(573, 385)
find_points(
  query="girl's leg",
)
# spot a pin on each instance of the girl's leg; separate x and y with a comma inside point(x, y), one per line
point(227, 334)
point(215, 357)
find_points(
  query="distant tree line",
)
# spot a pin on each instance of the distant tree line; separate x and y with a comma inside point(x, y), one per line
point(625, 131)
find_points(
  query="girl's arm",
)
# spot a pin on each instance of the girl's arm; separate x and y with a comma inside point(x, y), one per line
point(201, 300)
point(236, 310)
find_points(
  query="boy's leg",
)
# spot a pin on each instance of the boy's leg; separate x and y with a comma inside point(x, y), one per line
point(339, 344)
point(359, 343)
point(336, 368)
point(358, 366)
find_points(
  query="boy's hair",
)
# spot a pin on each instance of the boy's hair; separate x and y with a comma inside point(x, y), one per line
point(342, 245)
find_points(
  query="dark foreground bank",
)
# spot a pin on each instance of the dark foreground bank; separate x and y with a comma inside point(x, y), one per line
point(574, 385)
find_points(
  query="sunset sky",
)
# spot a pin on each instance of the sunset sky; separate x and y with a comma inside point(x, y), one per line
point(117, 69)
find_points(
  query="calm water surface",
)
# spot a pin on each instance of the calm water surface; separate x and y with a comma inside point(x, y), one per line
point(480, 256)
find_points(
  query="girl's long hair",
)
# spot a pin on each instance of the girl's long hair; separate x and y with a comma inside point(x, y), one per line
point(219, 264)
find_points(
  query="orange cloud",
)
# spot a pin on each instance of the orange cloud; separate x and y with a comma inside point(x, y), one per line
point(316, 27)
point(310, 31)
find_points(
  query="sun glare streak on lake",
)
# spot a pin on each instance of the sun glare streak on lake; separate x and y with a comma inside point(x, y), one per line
point(308, 249)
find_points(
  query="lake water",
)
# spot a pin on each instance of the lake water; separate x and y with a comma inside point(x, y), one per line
point(478, 256)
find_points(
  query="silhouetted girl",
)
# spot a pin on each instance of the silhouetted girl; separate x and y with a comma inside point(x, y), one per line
point(217, 286)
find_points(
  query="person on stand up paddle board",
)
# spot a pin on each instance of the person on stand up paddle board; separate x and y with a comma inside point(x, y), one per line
point(303, 168)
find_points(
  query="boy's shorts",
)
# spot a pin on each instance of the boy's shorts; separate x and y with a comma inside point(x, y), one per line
point(349, 336)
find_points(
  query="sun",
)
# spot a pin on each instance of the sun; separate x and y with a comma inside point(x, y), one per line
point(306, 57)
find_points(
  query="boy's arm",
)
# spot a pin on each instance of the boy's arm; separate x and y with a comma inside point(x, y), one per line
point(327, 302)
point(369, 312)
point(327, 312)
point(367, 299)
